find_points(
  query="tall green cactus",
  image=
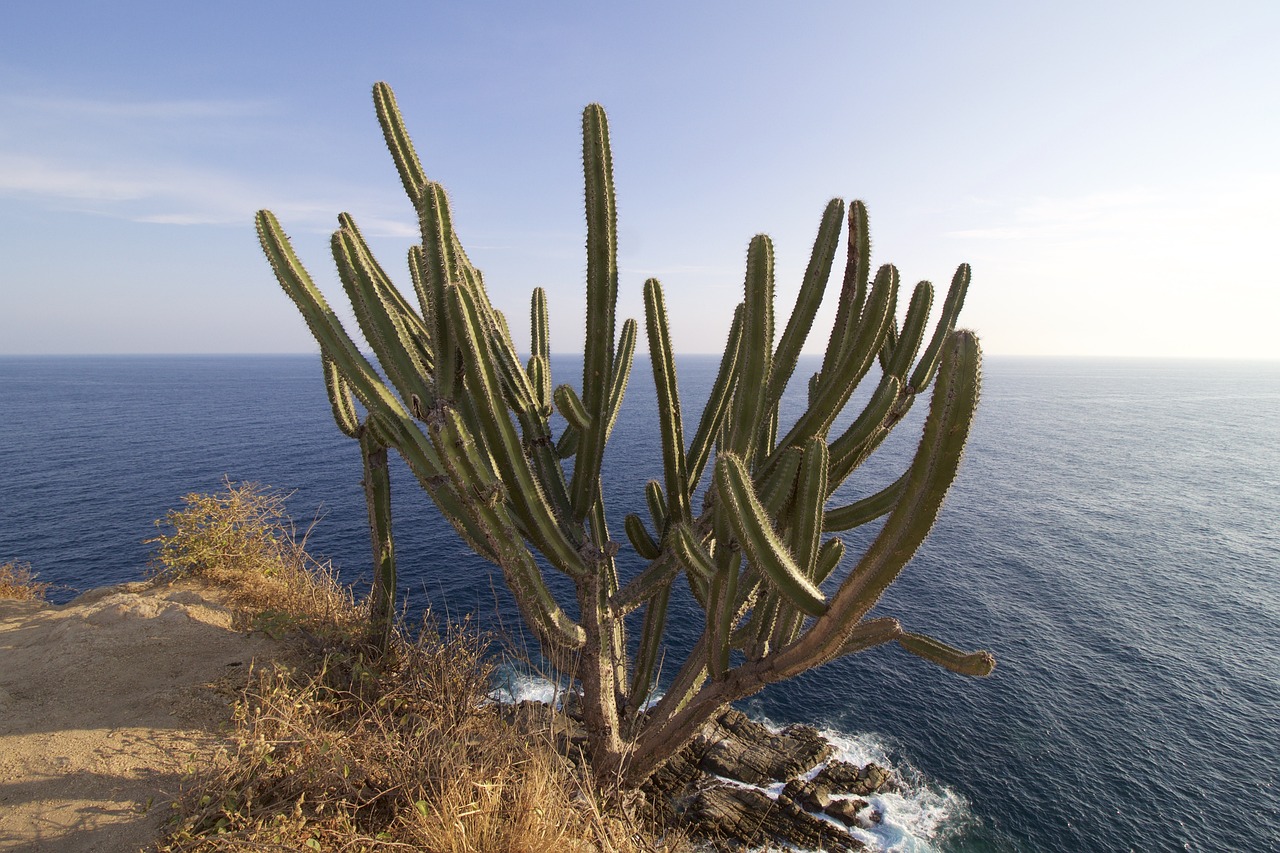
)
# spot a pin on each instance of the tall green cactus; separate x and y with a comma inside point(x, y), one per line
point(473, 423)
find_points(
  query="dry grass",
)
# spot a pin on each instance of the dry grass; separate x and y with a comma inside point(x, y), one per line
point(355, 753)
point(243, 541)
point(18, 583)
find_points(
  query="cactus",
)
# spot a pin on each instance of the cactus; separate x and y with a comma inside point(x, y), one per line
point(377, 493)
point(473, 423)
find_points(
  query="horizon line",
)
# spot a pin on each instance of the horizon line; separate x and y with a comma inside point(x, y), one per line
point(296, 353)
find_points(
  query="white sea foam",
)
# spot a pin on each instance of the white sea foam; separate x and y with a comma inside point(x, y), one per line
point(915, 817)
point(513, 685)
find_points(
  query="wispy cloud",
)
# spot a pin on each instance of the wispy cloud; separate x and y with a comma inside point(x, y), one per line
point(28, 175)
point(164, 110)
point(165, 193)
point(92, 156)
point(1125, 214)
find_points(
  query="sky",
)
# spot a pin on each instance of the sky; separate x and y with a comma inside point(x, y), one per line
point(1108, 169)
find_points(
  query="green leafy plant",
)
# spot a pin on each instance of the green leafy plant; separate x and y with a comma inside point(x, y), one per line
point(472, 420)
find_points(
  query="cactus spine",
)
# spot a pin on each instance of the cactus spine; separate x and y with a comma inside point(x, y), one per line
point(472, 421)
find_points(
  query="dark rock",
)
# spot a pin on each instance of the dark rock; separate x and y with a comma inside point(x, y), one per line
point(748, 817)
point(571, 706)
point(538, 719)
point(736, 747)
point(671, 783)
point(814, 798)
point(844, 778)
point(846, 811)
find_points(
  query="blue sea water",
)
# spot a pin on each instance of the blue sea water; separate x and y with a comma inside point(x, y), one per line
point(1112, 538)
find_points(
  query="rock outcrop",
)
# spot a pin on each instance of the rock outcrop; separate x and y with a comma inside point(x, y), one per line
point(712, 789)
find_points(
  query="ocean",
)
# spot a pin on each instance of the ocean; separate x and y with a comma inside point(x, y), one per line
point(1112, 539)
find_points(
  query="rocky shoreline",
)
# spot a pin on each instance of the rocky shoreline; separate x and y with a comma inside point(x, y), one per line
point(740, 785)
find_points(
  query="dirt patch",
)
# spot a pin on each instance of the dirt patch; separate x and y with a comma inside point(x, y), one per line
point(106, 703)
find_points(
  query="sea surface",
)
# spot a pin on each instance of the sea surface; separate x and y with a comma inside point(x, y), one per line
point(1112, 539)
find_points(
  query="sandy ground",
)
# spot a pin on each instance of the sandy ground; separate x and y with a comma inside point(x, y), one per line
point(105, 704)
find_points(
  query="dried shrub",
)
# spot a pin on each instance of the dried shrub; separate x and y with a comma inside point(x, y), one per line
point(243, 541)
point(18, 583)
point(415, 756)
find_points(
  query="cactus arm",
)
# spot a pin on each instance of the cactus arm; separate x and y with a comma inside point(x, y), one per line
point(787, 625)
point(538, 607)
point(866, 510)
point(504, 545)
point(721, 598)
point(757, 348)
point(570, 407)
point(645, 585)
point(898, 358)
point(397, 138)
point(386, 289)
point(829, 556)
point(411, 325)
point(546, 462)
point(436, 224)
point(521, 393)
point(540, 332)
point(640, 538)
point(379, 326)
point(540, 379)
point(420, 278)
point(329, 333)
point(757, 634)
point(621, 374)
point(778, 487)
point(857, 273)
point(377, 490)
point(713, 413)
point(975, 664)
point(344, 408)
point(524, 491)
point(848, 450)
point(807, 301)
point(691, 552)
point(951, 306)
point(871, 633)
point(932, 471)
point(837, 385)
point(664, 380)
point(890, 342)
point(568, 444)
point(758, 540)
point(393, 421)
point(608, 588)
point(540, 326)
point(655, 621)
point(602, 291)
point(657, 503)
point(807, 515)
point(514, 382)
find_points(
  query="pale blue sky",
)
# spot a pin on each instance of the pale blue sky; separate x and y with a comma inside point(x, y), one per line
point(1109, 169)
